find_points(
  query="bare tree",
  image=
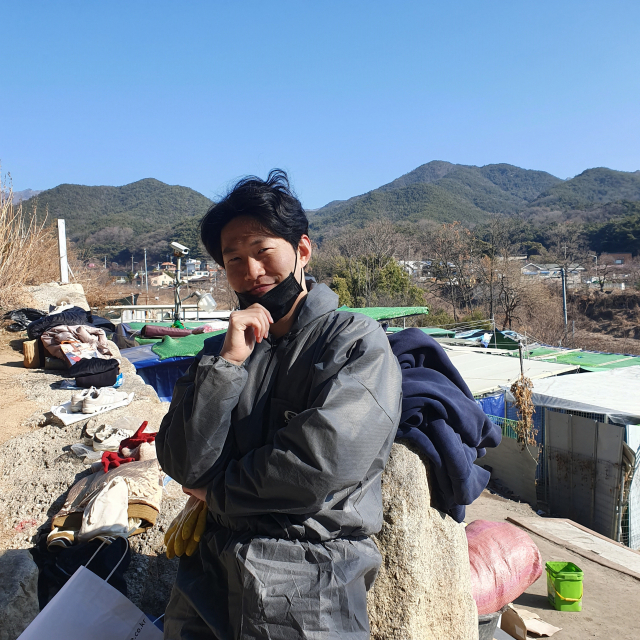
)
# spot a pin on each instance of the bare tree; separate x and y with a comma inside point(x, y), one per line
point(497, 247)
point(602, 270)
point(513, 292)
point(567, 247)
point(452, 251)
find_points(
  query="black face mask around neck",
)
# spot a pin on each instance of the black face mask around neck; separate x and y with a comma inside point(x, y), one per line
point(277, 301)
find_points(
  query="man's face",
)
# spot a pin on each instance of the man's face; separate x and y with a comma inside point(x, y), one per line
point(254, 261)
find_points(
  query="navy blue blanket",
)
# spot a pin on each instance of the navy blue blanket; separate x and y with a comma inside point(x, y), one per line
point(441, 418)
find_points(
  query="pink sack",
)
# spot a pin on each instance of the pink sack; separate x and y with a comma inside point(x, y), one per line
point(505, 562)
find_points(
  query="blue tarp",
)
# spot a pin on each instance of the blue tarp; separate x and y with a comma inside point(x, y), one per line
point(492, 405)
point(160, 374)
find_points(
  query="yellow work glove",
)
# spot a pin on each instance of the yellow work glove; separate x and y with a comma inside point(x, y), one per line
point(184, 533)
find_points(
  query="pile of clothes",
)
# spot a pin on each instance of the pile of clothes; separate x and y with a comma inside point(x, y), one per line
point(121, 497)
point(74, 341)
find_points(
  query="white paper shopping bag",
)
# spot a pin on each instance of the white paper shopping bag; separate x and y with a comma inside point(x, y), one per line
point(88, 608)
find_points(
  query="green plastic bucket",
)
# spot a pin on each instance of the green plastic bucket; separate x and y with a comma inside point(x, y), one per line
point(564, 586)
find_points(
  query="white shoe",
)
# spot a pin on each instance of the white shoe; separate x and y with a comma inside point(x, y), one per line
point(77, 399)
point(103, 398)
point(109, 439)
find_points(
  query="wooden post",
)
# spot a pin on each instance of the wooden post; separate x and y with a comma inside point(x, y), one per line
point(62, 250)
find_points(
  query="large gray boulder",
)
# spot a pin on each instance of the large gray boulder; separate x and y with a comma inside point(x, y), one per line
point(423, 589)
point(18, 592)
point(53, 293)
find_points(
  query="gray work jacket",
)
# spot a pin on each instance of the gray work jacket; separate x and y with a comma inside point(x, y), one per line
point(291, 447)
point(308, 422)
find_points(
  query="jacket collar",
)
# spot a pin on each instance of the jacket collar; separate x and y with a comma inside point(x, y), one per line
point(319, 301)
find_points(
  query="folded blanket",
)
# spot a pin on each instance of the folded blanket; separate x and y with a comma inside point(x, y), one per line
point(54, 339)
point(441, 418)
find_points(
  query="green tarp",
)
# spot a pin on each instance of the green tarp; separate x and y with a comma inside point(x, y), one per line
point(191, 345)
point(586, 360)
point(597, 361)
point(186, 346)
point(388, 313)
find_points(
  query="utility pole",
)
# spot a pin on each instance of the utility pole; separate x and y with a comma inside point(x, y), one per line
point(564, 300)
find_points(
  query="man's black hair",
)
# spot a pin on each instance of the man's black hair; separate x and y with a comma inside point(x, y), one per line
point(271, 202)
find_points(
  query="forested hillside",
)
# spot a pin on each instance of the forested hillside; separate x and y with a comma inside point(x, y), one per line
point(599, 185)
point(443, 192)
point(119, 220)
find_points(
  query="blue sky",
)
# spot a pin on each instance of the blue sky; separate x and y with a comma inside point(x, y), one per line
point(345, 95)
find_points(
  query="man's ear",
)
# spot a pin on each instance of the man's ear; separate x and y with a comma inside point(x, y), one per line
point(304, 250)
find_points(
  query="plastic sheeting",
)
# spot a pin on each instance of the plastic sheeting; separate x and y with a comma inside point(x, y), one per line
point(486, 372)
point(492, 405)
point(613, 393)
point(190, 345)
point(387, 313)
point(160, 374)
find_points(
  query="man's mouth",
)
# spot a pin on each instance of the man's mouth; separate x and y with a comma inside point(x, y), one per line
point(260, 289)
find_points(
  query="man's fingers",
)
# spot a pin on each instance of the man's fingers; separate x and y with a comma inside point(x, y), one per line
point(259, 307)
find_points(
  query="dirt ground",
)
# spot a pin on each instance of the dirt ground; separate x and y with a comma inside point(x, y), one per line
point(37, 468)
point(611, 599)
point(16, 408)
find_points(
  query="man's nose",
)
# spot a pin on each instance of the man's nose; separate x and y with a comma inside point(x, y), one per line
point(254, 269)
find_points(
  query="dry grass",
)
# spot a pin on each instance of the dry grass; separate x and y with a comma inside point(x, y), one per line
point(28, 250)
point(29, 256)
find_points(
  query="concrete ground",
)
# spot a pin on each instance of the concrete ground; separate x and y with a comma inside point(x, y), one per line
point(611, 603)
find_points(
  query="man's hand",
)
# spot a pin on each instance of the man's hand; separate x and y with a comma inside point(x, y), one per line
point(245, 329)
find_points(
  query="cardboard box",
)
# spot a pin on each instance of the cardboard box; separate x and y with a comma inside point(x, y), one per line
point(524, 625)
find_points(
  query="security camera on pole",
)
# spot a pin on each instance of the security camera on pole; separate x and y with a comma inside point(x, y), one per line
point(179, 251)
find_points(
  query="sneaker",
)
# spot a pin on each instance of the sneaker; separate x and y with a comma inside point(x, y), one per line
point(77, 399)
point(100, 399)
point(109, 438)
point(58, 538)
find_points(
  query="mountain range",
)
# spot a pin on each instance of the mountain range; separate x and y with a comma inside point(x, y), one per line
point(116, 220)
point(445, 192)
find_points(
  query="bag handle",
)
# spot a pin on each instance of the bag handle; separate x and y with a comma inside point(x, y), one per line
point(119, 561)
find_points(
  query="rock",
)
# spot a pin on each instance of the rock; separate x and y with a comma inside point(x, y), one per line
point(423, 589)
point(53, 293)
point(18, 592)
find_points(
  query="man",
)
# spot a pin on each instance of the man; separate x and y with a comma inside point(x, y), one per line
point(283, 425)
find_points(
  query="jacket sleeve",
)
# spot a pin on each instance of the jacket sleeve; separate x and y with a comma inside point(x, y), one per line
point(193, 433)
point(329, 447)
